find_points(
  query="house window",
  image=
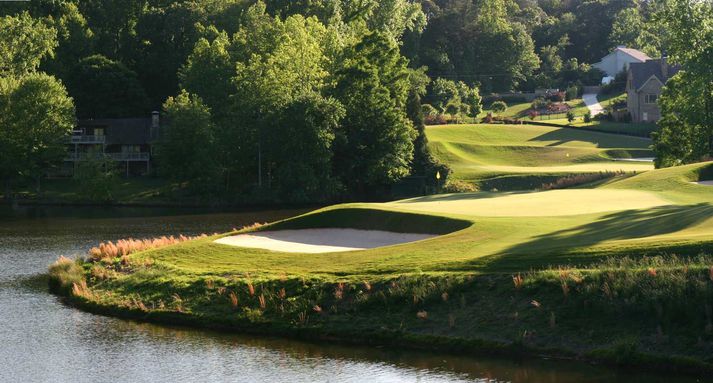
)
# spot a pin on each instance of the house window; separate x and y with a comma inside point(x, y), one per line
point(650, 98)
point(131, 149)
point(99, 131)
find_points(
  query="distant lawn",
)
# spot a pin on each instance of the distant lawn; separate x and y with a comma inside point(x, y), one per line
point(578, 107)
point(607, 99)
point(515, 110)
point(641, 129)
point(482, 152)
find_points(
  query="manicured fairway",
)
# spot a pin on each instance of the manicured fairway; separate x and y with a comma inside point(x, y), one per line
point(481, 152)
point(486, 231)
point(536, 204)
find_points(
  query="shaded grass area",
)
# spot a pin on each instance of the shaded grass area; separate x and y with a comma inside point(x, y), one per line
point(640, 129)
point(134, 190)
point(371, 219)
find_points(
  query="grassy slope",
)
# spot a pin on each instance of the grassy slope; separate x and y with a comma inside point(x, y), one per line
point(135, 190)
point(462, 281)
point(480, 152)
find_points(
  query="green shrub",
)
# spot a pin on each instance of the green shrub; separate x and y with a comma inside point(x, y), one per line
point(498, 106)
point(588, 117)
point(538, 103)
point(570, 116)
point(428, 110)
point(458, 186)
point(97, 176)
point(571, 93)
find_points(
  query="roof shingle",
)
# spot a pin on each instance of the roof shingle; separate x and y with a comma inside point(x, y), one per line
point(122, 131)
point(641, 72)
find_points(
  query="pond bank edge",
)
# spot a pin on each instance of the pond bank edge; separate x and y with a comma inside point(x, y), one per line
point(420, 342)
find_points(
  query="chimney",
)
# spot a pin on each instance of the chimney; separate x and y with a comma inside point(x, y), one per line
point(155, 119)
point(664, 66)
point(154, 131)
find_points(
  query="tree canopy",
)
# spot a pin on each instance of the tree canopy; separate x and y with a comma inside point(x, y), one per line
point(24, 42)
point(686, 126)
point(35, 111)
point(103, 88)
point(308, 99)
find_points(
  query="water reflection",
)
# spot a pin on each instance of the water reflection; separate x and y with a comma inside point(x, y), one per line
point(45, 341)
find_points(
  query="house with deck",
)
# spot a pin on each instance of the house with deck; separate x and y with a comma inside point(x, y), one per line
point(128, 141)
point(643, 87)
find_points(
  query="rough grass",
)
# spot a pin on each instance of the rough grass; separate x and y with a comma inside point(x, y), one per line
point(64, 274)
point(624, 310)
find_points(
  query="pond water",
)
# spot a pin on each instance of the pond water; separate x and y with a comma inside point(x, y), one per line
point(46, 341)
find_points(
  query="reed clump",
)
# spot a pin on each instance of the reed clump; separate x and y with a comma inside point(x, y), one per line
point(124, 247)
point(64, 273)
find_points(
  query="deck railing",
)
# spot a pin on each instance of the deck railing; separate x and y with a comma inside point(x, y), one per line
point(85, 139)
point(72, 156)
point(129, 156)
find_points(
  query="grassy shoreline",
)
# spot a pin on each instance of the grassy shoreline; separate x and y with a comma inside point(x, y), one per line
point(540, 329)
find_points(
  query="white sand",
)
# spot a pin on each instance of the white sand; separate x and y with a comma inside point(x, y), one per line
point(320, 240)
point(704, 183)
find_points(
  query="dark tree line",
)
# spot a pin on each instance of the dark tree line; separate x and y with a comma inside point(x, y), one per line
point(308, 100)
point(499, 45)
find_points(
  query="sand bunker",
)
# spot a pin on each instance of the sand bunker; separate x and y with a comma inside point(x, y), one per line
point(320, 240)
point(704, 183)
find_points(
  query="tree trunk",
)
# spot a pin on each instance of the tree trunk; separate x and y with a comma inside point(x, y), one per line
point(8, 191)
point(709, 120)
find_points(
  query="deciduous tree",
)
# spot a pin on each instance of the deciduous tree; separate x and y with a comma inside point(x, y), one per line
point(24, 42)
point(374, 145)
point(36, 115)
point(103, 88)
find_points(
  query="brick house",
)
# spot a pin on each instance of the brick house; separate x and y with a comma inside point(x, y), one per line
point(643, 88)
point(128, 141)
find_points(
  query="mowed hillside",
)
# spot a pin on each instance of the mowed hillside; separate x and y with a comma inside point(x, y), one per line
point(477, 153)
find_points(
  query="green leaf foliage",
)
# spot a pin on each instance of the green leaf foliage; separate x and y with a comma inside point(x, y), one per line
point(375, 143)
point(36, 114)
point(186, 151)
point(24, 42)
point(104, 88)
